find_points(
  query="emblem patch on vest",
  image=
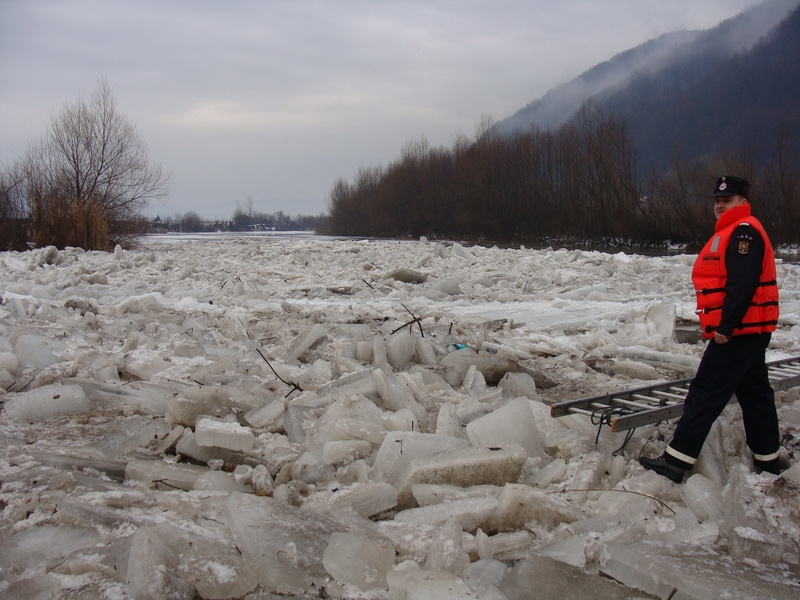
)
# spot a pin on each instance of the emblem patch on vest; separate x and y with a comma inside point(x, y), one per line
point(743, 246)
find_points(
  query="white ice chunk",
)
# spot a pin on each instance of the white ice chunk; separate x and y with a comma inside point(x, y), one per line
point(305, 340)
point(469, 513)
point(357, 382)
point(269, 416)
point(400, 348)
point(483, 576)
point(433, 493)
point(792, 474)
point(571, 551)
point(46, 402)
point(353, 417)
point(6, 379)
point(38, 351)
point(447, 422)
point(365, 499)
point(426, 355)
point(222, 482)
point(223, 434)
point(512, 423)
point(9, 362)
point(342, 452)
point(445, 552)
point(408, 584)
point(448, 285)
point(492, 366)
point(358, 560)
point(704, 497)
point(146, 303)
point(516, 385)
point(552, 472)
point(461, 252)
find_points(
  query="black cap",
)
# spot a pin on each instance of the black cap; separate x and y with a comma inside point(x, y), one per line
point(731, 186)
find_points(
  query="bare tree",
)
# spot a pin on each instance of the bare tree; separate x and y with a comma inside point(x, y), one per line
point(13, 216)
point(89, 177)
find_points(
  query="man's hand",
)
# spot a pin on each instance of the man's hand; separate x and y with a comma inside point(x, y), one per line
point(721, 339)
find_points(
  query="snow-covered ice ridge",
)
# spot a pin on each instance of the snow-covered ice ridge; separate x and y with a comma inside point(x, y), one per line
point(260, 418)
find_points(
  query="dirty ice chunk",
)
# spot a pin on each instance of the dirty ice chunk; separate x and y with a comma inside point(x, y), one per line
point(42, 545)
point(554, 579)
point(399, 448)
point(520, 504)
point(746, 543)
point(465, 468)
point(284, 543)
point(165, 475)
point(150, 566)
point(696, 572)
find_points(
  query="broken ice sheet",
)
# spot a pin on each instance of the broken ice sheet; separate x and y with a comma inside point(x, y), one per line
point(697, 573)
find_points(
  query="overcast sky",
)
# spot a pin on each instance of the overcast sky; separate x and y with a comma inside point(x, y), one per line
point(274, 100)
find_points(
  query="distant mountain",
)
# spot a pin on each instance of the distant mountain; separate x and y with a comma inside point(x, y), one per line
point(733, 88)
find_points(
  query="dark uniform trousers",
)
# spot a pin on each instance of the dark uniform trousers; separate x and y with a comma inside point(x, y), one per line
point(737, 367)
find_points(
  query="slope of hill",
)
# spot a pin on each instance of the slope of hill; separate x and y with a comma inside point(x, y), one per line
point(731, 88)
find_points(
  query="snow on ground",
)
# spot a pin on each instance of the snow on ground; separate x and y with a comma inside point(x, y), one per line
point(264, 417)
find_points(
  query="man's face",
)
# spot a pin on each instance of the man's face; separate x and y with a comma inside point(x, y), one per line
point(722, 203)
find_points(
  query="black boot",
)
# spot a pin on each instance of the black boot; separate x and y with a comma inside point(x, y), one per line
point(662, 467)
point(770, 466)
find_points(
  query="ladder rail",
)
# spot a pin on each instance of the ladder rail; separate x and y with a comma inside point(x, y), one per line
point(628, 409)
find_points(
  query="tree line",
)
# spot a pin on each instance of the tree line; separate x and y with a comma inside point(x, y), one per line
point(242, 220)
point(578, 182)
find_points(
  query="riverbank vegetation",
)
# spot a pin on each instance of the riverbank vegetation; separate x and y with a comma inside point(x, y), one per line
point(577, 181)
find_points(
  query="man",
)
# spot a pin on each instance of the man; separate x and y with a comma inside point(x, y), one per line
point(737, 301)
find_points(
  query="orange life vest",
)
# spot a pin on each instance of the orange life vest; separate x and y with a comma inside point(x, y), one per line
point(709, 276)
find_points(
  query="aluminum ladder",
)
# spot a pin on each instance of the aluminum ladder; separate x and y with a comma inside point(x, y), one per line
point(629, 409)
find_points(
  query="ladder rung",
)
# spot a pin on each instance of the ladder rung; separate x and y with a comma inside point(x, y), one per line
point(630, 404)
point(680, 397)
point(645, 398)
